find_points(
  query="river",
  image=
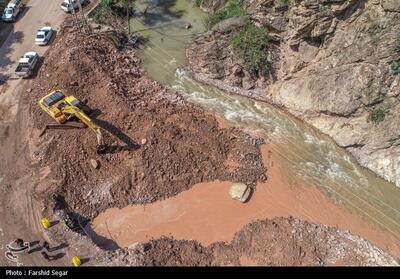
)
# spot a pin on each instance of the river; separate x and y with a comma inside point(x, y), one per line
point(306, 156)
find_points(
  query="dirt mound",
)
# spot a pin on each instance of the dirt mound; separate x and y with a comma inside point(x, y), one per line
point(280, 241)
point(158, 144)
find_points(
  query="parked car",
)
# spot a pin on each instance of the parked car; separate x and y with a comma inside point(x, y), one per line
point(44, 35)
point(27, 64)
point(67, 7)
point(12, 10)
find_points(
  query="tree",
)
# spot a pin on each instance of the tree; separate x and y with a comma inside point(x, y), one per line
point(127, 5)
point(249, 45)
point(84, 21)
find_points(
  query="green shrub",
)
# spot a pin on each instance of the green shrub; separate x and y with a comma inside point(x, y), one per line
point(103, 6)
point(397, 44)
point(197, 3)
point(231, 9)
point(377, 116)
point(249, 45)
point(282, 3)
point(115, 6)
point(396, 67)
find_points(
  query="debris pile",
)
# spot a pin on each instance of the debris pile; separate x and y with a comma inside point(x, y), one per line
point(158, 144)
point(276, 242)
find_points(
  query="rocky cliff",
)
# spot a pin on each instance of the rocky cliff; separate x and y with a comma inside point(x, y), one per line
point(331, 63)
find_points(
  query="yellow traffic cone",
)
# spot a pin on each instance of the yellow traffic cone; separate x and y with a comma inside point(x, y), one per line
point(45, 223)
point(76, 261)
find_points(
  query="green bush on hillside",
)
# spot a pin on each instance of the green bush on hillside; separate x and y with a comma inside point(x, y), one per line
point(249, 45)
point(198, 3)
point(377, 116)
point(397, 44)
point(231, 9)
point(116, 6)
point(100, 9)
point(282, 3)
point(396, 67)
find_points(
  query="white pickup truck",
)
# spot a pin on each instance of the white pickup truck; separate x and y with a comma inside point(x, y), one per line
point(67, 7)
point(27, 64)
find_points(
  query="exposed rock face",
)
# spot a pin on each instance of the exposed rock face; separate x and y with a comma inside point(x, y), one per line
point(330, 66)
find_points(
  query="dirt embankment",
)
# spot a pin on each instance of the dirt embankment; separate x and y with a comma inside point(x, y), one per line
point(158, 144)
point(280, 241)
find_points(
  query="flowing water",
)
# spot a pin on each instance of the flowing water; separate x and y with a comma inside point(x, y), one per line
point(308, 156)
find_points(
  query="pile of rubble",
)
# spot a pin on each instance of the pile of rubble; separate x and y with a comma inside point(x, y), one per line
point(280, 241)
point(158, 144)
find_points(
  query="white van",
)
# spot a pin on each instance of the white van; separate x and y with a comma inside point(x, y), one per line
point(12, 11)
point(67, 7)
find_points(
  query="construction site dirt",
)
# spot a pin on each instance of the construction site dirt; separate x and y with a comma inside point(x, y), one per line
point(158, 145)
point(280, 241)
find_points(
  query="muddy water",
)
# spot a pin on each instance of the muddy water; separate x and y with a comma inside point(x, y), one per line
point(307, 158)
point(207, 214)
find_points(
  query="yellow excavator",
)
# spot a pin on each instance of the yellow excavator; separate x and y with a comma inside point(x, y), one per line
point(64, 109)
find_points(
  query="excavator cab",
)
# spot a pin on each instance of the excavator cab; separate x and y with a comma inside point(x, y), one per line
point(62, 109)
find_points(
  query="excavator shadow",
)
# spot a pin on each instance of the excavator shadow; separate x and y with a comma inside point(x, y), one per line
point(130, 145)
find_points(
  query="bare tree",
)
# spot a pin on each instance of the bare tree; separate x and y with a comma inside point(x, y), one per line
point(84, 20)
point(76, 21)
point(127, 5)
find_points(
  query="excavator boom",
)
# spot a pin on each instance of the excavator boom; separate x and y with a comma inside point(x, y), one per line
point(72, 110)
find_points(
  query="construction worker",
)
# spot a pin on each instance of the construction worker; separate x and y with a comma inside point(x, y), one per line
point(46, 246)
point(19, 242)
point(46, 256)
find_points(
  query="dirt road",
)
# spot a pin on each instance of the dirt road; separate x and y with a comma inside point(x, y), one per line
point(18, 214)
point(22, 39)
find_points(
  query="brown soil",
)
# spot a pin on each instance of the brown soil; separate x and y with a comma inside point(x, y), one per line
point(184, 146)
point(281, 241)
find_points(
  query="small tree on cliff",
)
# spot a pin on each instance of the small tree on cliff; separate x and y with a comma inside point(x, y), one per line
point(249, 45)
point(231, 9)
point(397, 44)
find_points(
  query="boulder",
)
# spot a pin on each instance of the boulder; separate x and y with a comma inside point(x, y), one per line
point(94, 163)
point(240, 192)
